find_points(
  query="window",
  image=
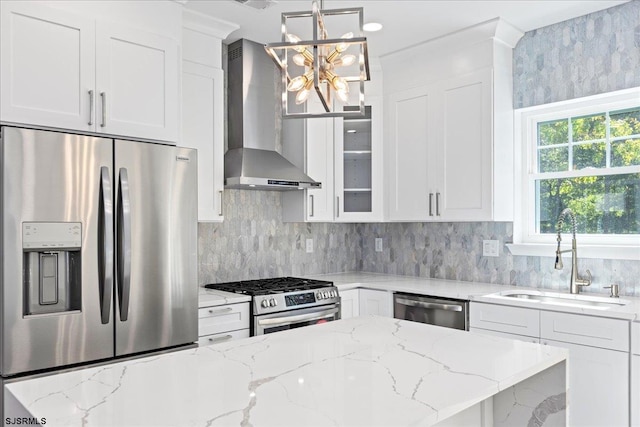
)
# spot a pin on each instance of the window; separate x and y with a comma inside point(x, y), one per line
point(585, 155)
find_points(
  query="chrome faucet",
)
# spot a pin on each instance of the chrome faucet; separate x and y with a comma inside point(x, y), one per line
point(576, 281)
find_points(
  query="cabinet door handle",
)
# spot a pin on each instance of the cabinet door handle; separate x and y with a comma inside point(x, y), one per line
point(221, 211)
point(437, 204)
point(220, 339)
point(430, 204)
point(221, 311)
point(312, 205)
point(90, 108)
point(337, 206)
point(103, 97)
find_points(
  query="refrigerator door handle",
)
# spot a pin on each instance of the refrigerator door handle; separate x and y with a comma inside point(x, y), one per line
point(105, 245)
point(124, 245)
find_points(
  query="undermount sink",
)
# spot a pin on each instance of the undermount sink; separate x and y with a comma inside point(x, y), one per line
point(554, 298)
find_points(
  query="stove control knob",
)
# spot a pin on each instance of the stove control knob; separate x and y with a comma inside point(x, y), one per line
point(332, 294)
point(273, 302)
point(319, 296)
point(264, 303)
point(325, 295)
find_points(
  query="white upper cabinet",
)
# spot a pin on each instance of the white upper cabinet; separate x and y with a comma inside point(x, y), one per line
point(47, 66)
point(449, 127)
point(358, 165)
point(203, 107)
point(203, 129)
point(66, 70)
point(308, 144)
point(410, 151)
point(136, 83)
point(463, 189)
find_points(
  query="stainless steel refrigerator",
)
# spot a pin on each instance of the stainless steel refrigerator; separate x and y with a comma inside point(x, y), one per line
point(99, 248)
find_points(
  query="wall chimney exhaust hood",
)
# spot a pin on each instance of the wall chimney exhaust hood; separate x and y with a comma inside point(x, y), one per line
point(252, 161)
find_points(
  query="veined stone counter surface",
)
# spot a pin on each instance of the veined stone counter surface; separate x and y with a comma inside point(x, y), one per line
point(363, 371)
point(475, 291)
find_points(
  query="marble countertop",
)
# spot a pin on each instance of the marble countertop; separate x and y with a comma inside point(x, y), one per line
point(361, 371)
point(212, 297)
point(475, 291)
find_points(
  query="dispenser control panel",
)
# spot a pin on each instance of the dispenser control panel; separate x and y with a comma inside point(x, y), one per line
point(51, 235)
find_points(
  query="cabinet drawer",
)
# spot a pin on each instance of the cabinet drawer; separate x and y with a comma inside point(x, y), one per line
point(600, 332)
point(512, 320)
point(635, 338)
point(224, 318)
point(504, 335)
point(635, 391)
point(223, 337)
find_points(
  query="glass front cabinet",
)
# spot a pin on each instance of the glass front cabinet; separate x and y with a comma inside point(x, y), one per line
point(358, 165)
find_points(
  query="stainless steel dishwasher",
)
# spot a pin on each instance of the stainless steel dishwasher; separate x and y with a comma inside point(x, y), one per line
point(450, 313)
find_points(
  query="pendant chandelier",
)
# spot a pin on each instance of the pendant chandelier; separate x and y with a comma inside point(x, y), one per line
point(331, 69)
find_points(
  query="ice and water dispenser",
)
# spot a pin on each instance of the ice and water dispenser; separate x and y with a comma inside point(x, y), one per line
point(52, 268)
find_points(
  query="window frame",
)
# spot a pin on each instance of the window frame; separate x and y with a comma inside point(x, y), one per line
point(526, 240)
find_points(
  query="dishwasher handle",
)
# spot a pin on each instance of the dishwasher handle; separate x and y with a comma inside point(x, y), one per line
point(433, 305)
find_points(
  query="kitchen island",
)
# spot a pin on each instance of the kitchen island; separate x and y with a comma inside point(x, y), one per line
point(361, 371)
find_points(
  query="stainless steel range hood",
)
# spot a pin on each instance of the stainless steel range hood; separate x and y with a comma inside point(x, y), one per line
point(252, 160)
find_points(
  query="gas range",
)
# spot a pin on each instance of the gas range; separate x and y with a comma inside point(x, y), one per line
point(286, 302)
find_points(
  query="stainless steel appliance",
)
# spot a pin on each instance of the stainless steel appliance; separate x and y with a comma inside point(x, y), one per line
point(99, 248)
point(450, 313)
point(286, 302)
point(252, 161)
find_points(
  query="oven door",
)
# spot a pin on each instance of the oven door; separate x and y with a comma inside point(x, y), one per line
point(268, 323)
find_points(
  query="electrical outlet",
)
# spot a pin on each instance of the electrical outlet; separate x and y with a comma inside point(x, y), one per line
point(490, 248)
point(309, 246)
point(378, 244)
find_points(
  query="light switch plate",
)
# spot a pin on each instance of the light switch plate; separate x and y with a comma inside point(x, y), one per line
point(309, 246)
point(490, 248)
point(378, 244)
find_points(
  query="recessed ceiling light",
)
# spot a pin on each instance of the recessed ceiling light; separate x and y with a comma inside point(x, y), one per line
point(372, 26)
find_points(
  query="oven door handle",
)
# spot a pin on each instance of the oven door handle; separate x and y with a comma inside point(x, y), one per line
point(298, 317)
point(434, 305)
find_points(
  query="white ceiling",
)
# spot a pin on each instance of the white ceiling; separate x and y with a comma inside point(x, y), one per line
point(406, 22)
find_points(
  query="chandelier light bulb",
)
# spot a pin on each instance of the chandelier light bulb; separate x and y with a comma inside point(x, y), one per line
point(302, 96)
point(344, 61)
point(296, 84)
point(341, 47)
point(337, 82)
point(300, 82)
point(295, 39)
point(298, 59)
point(343, 95)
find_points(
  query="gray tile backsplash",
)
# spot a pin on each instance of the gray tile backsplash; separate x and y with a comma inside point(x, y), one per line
point(591, 54)
point(454, 251)
point(596, 53)
point(253, 242)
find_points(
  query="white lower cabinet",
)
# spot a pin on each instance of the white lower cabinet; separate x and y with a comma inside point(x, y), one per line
point(598, 385)
point(635, 390)
point(356, 302)
point(599, 352)
point(223, 323)
point(379, 303)
point(635, 374)
point(349, 304)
